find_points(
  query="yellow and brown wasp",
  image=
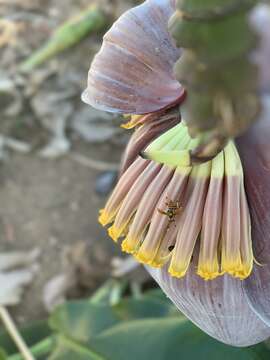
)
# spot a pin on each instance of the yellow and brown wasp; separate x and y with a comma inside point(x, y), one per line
point(173, 209)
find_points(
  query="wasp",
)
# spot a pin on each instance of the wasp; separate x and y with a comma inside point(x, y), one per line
point(173, 209)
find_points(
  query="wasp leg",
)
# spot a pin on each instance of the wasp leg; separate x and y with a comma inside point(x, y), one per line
point(169, 223)
point(172, 221)
point(162, 212)
point(168, 201)
point(177, 211)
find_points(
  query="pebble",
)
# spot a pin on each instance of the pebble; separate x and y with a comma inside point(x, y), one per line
point(105, 182)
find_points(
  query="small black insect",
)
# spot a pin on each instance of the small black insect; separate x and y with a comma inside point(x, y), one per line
point(173, 209)
point(171, 248)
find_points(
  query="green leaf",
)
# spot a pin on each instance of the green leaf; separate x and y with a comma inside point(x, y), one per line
point(161, 339)
point(82, 320)
point(260, 351)
point(3, 355)
point(144, 308)
point(31, 334)
point(79, 322)
point(69, 350)
point(136, 329)
point(164, 339)
point(157, 294)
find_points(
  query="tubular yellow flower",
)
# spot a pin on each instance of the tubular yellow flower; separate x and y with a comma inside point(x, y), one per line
point(108, 215)
point(208, 264)
point(169, 209)
point(237, 257)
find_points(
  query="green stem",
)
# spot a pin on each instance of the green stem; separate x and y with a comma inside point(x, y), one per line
point(136, 290)
point(80, 349)
point(117, 292)
point(215, 67)
point(111, 292)
point(15, 334)
point(42, 348)
point(102, 293)
point(89, 21)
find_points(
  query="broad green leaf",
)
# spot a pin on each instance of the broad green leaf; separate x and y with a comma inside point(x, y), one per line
point(31, 333)
point(261, 351)
point(163, 339)
point(69, 350)
point(157, 293)
point(82, 320)
point(3, 355)
point(131, 309)
point(136, 329)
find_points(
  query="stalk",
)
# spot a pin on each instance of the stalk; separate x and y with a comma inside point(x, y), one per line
point(15, 335)
point(89, 21)
point(43, 348)
point(216, 69)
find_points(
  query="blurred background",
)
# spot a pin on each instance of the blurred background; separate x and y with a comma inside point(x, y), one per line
point(59, 158)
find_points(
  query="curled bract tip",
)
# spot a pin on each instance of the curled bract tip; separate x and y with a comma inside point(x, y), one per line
point(133, 71)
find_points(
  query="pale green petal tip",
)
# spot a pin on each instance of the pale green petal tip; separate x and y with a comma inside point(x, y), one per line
point(233, 164)
point(172, 148)
point(171, 158)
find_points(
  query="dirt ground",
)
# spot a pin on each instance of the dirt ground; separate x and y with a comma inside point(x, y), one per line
point(50, 204)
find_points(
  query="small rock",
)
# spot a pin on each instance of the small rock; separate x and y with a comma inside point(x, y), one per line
point(10, 99)
point(95, 126)
point(56, 148)
point(105, 182)
point(48, 105)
